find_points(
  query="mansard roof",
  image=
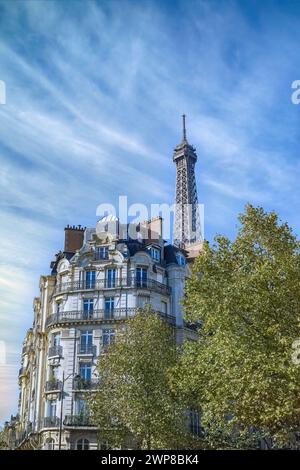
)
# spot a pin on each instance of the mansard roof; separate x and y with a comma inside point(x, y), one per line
point(171, 252)
point(133, 246)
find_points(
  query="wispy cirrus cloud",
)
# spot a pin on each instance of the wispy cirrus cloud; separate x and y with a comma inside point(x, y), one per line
point(94, 97)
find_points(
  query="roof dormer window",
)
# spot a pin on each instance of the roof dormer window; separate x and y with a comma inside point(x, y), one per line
point(101, 252)
point(154, 253)
point(180, 259)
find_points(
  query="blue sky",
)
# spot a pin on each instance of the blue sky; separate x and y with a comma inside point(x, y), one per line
point(95, 91)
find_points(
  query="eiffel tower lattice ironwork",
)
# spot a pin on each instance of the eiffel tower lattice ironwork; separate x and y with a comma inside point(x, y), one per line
point(187, 227)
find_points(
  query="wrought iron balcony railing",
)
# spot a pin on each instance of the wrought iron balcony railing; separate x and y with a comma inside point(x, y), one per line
point(83, 384)
point(92, 315)
point(99, 315)
point(53, 385)
point(78, 421)
point(55, 351)
point(101, 284)
point(50, 422)
point(87, 349)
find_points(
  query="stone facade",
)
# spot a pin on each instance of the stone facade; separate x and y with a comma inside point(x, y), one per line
point(82, 304)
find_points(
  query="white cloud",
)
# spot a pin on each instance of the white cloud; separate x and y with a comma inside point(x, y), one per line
point(94, 98)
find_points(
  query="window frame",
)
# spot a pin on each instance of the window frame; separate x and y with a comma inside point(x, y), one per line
point(101, 252)
point(109, 333)
point(141, 273)
point(88, 308)
point(90, 279)
point(109, 307)
point(82, 444)
point(86, 341)
point(85, 366)
point(110, 277)
point(155, 249)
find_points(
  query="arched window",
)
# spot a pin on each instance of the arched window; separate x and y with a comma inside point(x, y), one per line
point(49, 444)
point(83, 444)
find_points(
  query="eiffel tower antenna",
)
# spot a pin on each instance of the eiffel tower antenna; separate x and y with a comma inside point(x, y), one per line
point(183, 129)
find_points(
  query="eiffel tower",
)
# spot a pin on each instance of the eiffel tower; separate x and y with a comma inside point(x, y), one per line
point(186, 228)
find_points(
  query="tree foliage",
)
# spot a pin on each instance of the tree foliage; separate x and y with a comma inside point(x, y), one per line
point(134, 406)
point(4, 439)
point(246, 294)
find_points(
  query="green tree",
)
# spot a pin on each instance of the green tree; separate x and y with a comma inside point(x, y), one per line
point(246, 295)
point(134, 406)
point(4, 440)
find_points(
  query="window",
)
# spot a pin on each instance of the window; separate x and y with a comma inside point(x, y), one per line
point(88, 308)
point(108, 336)
point(81, 407)
point(49, 444)
point(86, 342)
point(53, 372)
point(141, 277)
point(90, 279)
point(85, 370)
point(142, 301)
point(102, 252)
point(154, 253)
point(180, 259)
point(109, 308)
point(56, 340)
point(55, 348)
point(83, 444)
point(111, 277)
point(164, 307)
point(52, 409)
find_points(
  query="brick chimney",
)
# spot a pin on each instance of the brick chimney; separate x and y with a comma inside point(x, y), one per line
point(73, 238)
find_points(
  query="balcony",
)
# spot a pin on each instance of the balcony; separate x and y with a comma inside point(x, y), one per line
point(103, 284)
point(89, 349)
point(55, 351)
point(50, 422)
point(94, 316)
point(78, 421)
point(80, 384)
point(98, 316)
point(53, 385)
point(151, 284)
